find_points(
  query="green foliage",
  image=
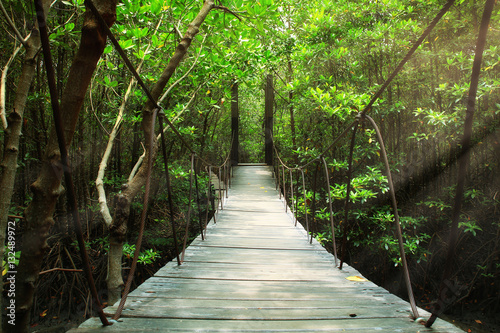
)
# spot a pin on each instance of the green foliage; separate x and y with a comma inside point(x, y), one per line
point(469, 226)
point(6, 260)
point(146, 257)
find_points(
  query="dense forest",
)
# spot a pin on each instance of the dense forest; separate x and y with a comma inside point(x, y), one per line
point(327, 59)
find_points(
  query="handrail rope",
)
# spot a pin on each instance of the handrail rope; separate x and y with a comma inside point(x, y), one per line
point(345, 228)
point(392, 191)
point(398, 228)
point(400, 66)
point(58, 124)
point(327, 174)
point(334, 142)
point(465, 161)
point(131, 273)
point(131, 68)
point(210, 166)
point(408, 55)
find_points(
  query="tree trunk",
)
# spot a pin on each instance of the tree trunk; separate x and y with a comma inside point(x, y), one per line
point(118, 228)
point(47, 188)
point(8, 164)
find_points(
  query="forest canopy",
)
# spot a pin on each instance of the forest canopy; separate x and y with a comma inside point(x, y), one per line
point(327, 60)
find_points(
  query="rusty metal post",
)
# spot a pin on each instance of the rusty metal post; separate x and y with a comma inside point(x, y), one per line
point(284, 188)
point(345, 228)
point(328, 190)
point(313, 206)
point(268, 120)
point(188, 218)
point(234, 124)
point(291, 197)
point(305, 200)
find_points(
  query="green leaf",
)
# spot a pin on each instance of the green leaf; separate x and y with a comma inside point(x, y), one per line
point(156, 6)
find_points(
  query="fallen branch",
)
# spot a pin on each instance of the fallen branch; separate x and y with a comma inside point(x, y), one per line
point(61, 270)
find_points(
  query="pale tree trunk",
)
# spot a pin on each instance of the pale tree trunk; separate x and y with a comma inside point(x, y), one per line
point(3, 112)
point(13, 121)
point(118, 229)
point(47, 188)
point(115, 252)
point(99, 182)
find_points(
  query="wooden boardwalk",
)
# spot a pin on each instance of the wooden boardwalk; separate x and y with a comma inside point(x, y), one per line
point(256, 272)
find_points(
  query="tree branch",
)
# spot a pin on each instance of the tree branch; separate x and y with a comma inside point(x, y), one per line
point(12, 25)
point(61, 270)
point(162, 98)
point(99, 182)
point(3, 80)
point(227, 10)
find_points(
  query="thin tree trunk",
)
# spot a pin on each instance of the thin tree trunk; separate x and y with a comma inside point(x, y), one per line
point(47, 188)
point(14, 123)
point(118, 228)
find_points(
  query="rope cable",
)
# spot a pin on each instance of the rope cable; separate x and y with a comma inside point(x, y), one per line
point(169, 189)
point(399, 234)
point(138, 244)
point(330, 207)
point(131, 68)
point(345, 228)
point(408, 55)
point(188, 218)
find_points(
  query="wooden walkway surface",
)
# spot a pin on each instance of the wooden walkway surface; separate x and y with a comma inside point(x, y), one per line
point(256, 272)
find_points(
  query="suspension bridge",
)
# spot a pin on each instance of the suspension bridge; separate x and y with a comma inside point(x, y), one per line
point(257, 271)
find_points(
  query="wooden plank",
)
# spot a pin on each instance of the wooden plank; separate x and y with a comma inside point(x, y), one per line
point(193, 325)
point(257, 272)
point(259, 313)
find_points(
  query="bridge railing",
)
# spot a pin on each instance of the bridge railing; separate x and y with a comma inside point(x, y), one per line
point(281, 166)
point(223, 170)
point(362, 117)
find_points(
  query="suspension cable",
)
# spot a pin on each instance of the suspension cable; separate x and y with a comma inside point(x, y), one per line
point(399, 234)
point(59, 127)
point(291, 197)
point(328, 189)
point(408, 55)
point(145, 204)
point(345, 225)
point(305, 200)
point(169, 190)
point(131, 68)
point(188, 218)
point(198, 202)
